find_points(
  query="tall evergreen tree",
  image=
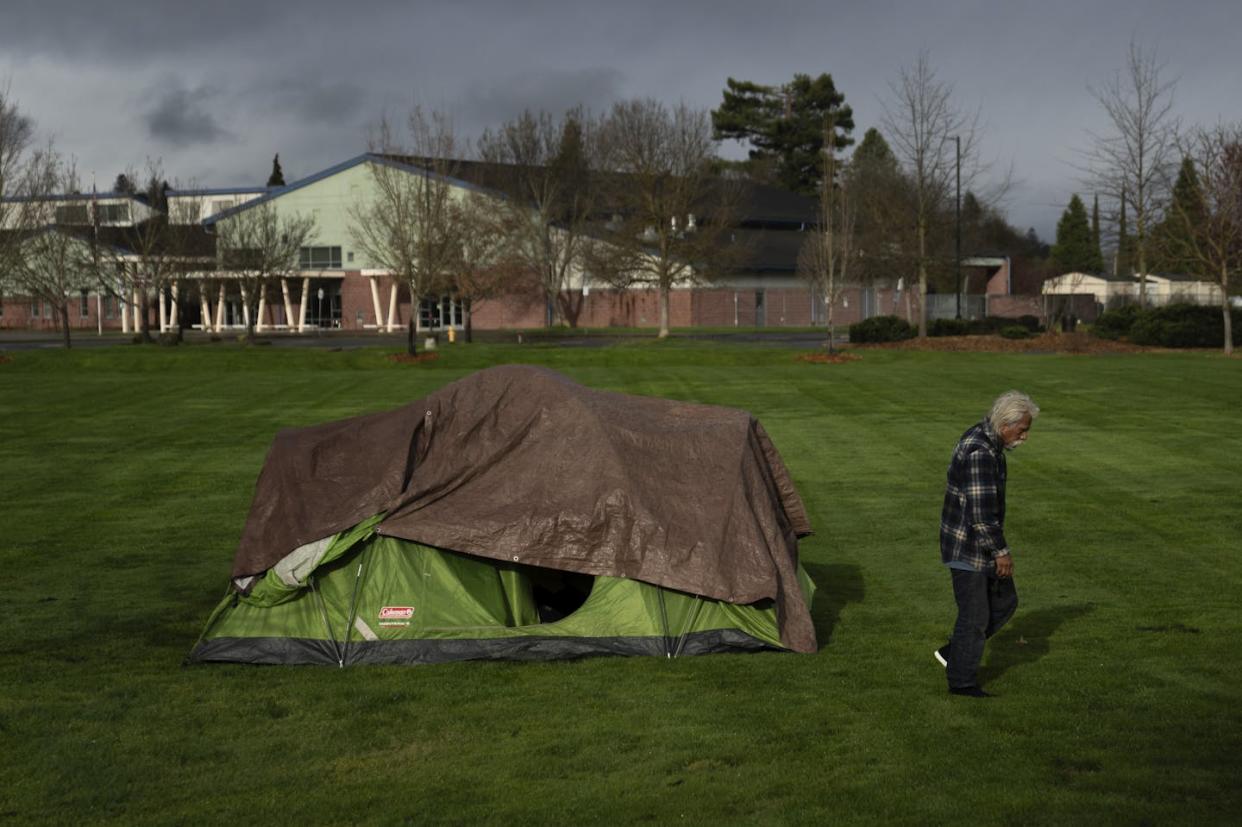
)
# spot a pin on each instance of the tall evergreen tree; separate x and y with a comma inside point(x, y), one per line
point(874, 150)
point(1172, 242)
point(277, 178)
point(784, 126)
point(1075, 250)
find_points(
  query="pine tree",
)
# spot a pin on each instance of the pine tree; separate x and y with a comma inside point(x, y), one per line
point(1074, 250)
point(874, 150)
point(1172, 243)
point(277, 178)
point(784, 126)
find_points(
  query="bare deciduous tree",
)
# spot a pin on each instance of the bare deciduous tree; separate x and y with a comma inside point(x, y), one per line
point(671, 214)
point(1130, 163)
point(547, 171)
point(49, 262)
point(256, 246)
point(828, 251)
point(921, 121)
point(158, 252)
point(409, 227)
point(16, 132)
point(1211, 230)
point(485, 270)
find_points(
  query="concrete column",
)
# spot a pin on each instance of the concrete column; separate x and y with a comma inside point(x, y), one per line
point(284, 291)
point(176, 306)
point(392, 308)
point(159, 295)
point(124, 312)
point(302, 309)
point(245, 299)
point(259, 323)
point(138, 308)
point(220, 309)
point(375, 302)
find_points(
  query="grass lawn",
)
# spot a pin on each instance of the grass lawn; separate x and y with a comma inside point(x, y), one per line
point(127, 473)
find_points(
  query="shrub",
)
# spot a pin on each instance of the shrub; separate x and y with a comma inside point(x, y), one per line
point(1031, 323)
point(881, 329)
point(988, 324)
point(1016, 331)
point(949, 327)
point(1115, 323)
point(1179, 325)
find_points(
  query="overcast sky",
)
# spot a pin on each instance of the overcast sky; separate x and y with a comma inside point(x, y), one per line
point(214, 89)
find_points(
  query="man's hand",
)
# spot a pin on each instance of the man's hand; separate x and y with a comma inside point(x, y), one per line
point(1004, 566)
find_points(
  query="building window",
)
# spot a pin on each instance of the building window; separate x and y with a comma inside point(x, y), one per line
point(84, 304)
point(320, 258)
point(112, 213)
point(72, 214)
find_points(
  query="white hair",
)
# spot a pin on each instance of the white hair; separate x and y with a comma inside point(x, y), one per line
point(1010, 407)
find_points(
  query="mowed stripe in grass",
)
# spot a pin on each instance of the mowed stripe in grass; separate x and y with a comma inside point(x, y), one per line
point(128, 472)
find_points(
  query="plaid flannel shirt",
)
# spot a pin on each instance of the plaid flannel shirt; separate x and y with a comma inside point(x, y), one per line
point(973, 519)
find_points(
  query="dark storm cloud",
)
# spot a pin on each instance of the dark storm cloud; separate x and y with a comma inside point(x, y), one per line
point(552, 91)
point(179, 117)
point(313, 101)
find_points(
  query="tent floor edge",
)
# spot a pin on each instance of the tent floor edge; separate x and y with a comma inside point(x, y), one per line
point(296, 651)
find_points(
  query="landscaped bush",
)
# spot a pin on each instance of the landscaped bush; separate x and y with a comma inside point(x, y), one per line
point(949, 327)
point(993, 324)
point(1180, 325)
point(1174, 325)
point(1016, 331)
point(881, 329)
point(1115, 323)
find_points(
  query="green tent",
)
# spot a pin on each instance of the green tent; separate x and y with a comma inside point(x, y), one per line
point(502, 522)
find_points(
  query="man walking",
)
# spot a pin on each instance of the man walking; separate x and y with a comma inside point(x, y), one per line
point(972, 537)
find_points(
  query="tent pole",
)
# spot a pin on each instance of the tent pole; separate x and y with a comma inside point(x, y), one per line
point(668, 652)
point(691, 617)
point(353, 608)
point(323, 610)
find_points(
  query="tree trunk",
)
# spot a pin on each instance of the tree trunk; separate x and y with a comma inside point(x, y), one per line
point(1224, 306)
point(411, 338)
point(63, 310)
point(831, 346)
point(922, 279)
point(664, 291)
point(144, 316)
point(467, 309)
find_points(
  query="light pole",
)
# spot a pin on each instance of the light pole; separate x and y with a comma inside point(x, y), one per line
point(319, 314)
point(957, 143)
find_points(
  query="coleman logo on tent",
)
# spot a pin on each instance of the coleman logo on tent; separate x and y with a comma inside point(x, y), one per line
point(395, 615)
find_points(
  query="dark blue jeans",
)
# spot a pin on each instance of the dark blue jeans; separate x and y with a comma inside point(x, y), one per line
point(985, 603)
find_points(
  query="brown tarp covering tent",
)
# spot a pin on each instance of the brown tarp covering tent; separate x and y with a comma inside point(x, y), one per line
point(520, 463)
